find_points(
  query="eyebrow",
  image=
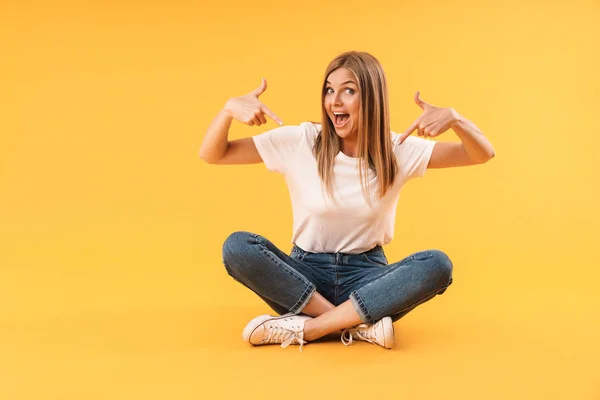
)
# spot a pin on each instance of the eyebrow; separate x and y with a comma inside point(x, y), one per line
point(344, 82)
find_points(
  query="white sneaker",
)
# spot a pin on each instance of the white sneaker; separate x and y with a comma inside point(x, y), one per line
point(380, 333)
point(285, 329)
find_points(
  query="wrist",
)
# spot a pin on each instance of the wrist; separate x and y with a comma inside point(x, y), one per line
point(226, 112)
point(456, 118)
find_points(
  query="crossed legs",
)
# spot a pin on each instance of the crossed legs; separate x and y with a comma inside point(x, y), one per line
point(328, 318)
point(391, 291)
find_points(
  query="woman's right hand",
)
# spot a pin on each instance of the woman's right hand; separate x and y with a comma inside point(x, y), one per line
point(249, 110)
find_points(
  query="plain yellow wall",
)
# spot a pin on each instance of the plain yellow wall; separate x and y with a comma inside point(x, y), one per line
point(105, 106)
point(104, 201)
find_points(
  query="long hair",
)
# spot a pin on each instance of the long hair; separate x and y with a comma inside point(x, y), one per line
point(374, 139)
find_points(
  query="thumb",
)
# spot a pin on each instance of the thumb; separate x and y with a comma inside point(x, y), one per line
point(418, 100)
point(260, 90)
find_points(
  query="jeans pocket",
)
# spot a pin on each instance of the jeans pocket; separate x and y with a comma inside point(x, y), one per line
point(298, 255)
point(375, 258)
point(421, 255)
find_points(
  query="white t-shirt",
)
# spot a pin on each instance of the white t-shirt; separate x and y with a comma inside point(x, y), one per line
point(350, 226)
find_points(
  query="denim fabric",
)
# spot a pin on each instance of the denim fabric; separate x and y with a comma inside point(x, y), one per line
point(375, 288)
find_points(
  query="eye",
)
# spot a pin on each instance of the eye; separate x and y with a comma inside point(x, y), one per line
point(349, 90)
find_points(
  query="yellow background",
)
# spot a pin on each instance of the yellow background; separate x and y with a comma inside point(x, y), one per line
point(111, 277)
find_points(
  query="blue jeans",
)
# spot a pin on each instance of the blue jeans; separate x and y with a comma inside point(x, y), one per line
point(375, 288)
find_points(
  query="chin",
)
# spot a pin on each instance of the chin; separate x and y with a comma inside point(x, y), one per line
point(344, 132)
point(340, 134)
point(347, 132)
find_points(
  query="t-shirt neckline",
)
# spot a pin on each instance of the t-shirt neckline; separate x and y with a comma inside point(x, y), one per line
point(341, 154)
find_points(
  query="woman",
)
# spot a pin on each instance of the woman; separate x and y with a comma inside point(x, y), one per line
point(344, 176)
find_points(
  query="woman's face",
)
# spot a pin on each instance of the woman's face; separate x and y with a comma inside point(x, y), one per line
point(342, 97)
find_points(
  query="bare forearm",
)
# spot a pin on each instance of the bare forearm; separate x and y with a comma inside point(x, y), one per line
point(477, 147)
point(215, 143)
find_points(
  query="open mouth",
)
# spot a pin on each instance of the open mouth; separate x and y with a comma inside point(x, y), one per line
point(340, 120)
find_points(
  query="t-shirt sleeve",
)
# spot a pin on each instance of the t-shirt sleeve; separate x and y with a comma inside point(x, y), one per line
point(278, 146)
point(413, 155)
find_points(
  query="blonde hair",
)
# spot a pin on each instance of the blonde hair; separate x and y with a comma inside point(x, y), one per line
point(374, 138)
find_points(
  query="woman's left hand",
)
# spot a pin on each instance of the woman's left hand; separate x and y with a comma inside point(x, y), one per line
point(433, 122)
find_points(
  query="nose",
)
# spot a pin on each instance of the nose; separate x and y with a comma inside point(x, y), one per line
point(337, 100)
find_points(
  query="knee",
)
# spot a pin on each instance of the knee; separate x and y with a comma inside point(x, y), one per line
point(441, 267)
point(235, 244)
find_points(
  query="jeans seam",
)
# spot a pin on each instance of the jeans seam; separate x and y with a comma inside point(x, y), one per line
point(420, 301)
point(292, 272)
point(373, 261)
point(304, 299)
point(335, 285)
point(360, 308)
point(284, 266)
point(363, 308)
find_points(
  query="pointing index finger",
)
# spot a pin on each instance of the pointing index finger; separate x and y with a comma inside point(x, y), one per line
point(409, 131)
point(271, 114)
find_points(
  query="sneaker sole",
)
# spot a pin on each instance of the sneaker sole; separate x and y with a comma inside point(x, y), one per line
point(388, 332)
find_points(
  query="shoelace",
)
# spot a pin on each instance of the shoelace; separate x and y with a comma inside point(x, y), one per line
point(277, 334)
point(361, 332)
